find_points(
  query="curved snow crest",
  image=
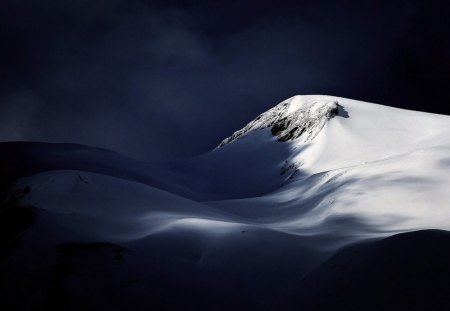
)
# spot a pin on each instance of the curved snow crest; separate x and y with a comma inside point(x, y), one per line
point(299, 117)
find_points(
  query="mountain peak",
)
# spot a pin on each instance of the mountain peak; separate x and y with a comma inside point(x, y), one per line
point(299, 117)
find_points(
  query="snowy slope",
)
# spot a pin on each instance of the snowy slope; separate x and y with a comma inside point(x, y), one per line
point(269, 204)
point(353, 168)
point(384, 168)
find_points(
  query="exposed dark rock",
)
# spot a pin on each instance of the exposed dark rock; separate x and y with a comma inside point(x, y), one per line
point(15, 217)
point(302, 121)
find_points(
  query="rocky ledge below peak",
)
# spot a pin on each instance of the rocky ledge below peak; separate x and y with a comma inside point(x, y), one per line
point(300, 117)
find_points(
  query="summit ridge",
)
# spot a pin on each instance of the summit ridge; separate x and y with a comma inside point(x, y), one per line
point(299, 117)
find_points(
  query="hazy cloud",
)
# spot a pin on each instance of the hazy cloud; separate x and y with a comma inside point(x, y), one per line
point(16, 117)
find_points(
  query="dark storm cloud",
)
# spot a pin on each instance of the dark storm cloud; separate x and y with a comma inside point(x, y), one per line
point(171, 79)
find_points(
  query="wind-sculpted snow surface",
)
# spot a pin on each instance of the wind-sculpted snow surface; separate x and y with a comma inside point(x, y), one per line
point(239, 227)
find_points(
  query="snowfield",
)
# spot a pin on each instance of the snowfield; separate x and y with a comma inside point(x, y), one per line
point(238, 227)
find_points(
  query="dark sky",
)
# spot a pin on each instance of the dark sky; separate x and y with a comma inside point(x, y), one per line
point(169, 79)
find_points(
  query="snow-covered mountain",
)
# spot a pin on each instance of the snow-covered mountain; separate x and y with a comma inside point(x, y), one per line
point(267, 206)
point(369, 162)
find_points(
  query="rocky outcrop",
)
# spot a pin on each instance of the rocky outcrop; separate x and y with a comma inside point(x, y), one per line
point(294, 118)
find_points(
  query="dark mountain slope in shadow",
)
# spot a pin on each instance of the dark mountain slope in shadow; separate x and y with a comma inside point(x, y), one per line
point(19, 159)
point(408, 271)
point(236, 171)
